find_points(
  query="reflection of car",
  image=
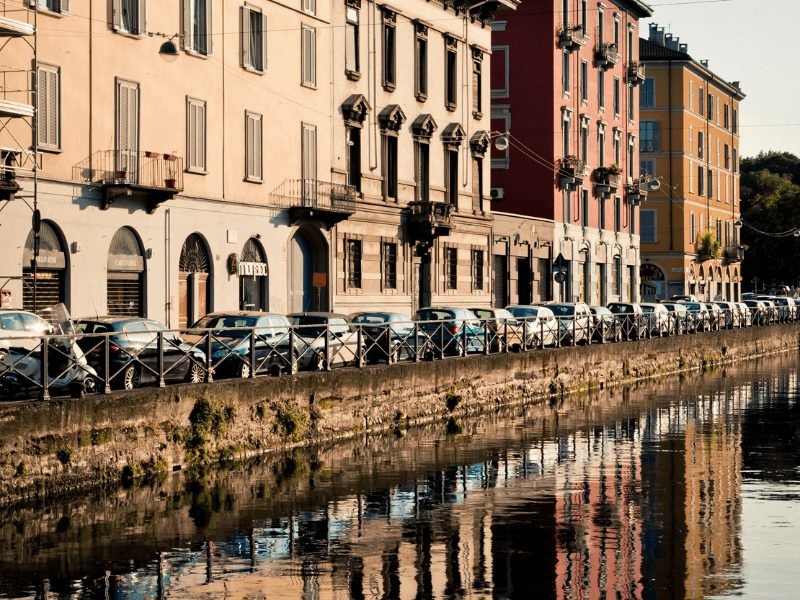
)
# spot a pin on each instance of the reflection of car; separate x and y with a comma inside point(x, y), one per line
point(453, 331)
point(657, 318)
point(235, 334)
point(631, 318)
point(389, 337)
point(541, 327)
point(326, 340)
point(503, 328)
point(133, 351)
point(574, 321)
point(679, 320)
point(21, 345)
point(604, 325)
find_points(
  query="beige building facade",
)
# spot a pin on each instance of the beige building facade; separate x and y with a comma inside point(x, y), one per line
point(205, 155)
point(690, 138)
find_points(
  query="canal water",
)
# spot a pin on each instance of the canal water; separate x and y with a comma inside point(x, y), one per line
point(683, 488)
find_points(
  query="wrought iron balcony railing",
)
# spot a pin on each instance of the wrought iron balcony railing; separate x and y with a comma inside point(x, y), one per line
point(734, 253)
point(429, 219)
point(572, 38)
point(571, 171)
point(636, 73)
point(607, 55)
point(312, 198)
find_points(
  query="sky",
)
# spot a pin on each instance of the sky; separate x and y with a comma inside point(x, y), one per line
point(753, 42)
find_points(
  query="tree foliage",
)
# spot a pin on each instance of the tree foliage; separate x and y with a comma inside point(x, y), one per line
point(770, 193)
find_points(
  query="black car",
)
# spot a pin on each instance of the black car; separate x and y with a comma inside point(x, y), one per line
point(235, 335)
point(133, 352)
point(389, 337)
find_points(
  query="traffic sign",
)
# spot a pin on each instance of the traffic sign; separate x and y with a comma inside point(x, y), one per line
point(559, 264)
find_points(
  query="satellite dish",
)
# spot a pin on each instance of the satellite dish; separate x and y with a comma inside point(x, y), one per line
point(501, 143)
point(653, 185)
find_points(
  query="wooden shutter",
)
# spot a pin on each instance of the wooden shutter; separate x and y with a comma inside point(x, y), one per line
point(196, 135)
point(64, 6)
point(253, 148)
point(127, 126)
point(116, 15)
point(142, 24)
point(48, 106)
point(264, 41)
point(187, 38)
point(244, 26)
point(309, 152)
point(309, 44)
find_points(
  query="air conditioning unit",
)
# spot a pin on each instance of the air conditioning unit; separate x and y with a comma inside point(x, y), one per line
point(498, 193)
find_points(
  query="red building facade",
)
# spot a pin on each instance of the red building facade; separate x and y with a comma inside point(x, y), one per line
point(565, 80)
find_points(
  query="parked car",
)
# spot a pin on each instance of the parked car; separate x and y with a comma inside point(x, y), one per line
point(759, 315)
point(748, 296)
point(715, 315)
point(699, 315)
point(390, 337)
point(234, 335)
point(316, 331)
point(679, 322)
point(574, 322)
point(786, 308)
point(732, 316)
point(605, 327)
point(631, 319)
point(769, 308)
point(684, 298)
point(540, 325)
point(658, 320)
point(133, 358)
point(745, 316)
point(451, 331)
point(502, 327)
point(21, 356)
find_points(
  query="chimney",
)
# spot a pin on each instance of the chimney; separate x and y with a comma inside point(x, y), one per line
point(737, 85)
point(684, 48)
point(656, 34)
point(704, 62)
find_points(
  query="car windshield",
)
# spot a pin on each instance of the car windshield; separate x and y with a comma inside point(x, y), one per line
point(693, 306)
point(648, 309)
point(372, 318)
point(316, 325)
point(562, 310)
point(525, 311)
point(482, 313)
point(620, 308)
point(92, 327)
point(435, 315)
point(223, 324)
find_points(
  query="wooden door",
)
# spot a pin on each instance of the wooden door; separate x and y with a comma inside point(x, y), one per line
point(183, 300)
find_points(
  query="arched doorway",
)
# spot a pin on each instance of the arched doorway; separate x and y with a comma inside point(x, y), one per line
point(126, 276)
point(194, 281)
point(253, 277)
point(308, 272)
point(652, 283)
point(51, 272)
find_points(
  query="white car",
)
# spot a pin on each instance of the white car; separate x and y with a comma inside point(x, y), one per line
point(541, 328)
point(657, 317)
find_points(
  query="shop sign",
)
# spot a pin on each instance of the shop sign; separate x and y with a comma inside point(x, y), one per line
point(125, 262)
point(319, 279)
point(253, 269)
point(5, 298)
point(47, 259)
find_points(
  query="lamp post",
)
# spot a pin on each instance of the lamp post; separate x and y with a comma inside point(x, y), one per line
point(505, 240)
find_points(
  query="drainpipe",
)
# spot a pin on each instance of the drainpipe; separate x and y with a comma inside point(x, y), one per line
point(669, 146)
point(372, 139)
point(167, 274)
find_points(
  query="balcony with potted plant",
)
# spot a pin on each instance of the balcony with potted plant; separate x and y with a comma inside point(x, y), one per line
point(571, 171)
point(636, 74)
point(607, 55)
point(708, 248)
point(606, 179)
point(572, 38)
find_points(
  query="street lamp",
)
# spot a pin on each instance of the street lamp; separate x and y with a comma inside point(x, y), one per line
point(168, 50)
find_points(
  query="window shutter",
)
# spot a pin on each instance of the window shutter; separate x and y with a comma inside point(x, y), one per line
point(64, 6)
point(209, 10)
point(142, 17)
point(264, 40)
point(116, 15)
point(52, 108)
point(42, 96)
point(244, 25)
point(186, 39)
point(201, 136)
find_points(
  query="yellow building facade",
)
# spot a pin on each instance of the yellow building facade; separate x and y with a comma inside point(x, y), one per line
point(689, 143)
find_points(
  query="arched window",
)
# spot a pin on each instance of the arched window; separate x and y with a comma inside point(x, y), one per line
point(126, 275)
point(253, 277)
point(49, 285)
point(194, 280)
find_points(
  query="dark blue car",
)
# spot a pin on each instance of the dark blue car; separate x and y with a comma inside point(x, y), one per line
point(452, 331)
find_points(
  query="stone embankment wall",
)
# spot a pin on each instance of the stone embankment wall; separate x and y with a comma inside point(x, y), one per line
point(65, 445)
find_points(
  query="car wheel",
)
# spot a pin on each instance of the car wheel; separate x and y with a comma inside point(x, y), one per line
point(244, 370)
point(90, 385)
point(131, 378)
point(196, 373)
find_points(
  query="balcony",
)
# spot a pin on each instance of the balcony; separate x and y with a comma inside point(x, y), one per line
point(606, 179)
point(16, 20)
point(637, 191)
point(636, 73)
point(324, 201)
point(8, 182)
point(606, 56)
point(571, 172)
point(428, 220)
point(148, 176)
point(15, 93)
point(572, 38)
point(734, 254)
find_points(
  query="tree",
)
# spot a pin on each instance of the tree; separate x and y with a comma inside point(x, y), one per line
point(770, 193)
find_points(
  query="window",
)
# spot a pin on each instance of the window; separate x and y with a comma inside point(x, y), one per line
point(389, 165)
point(700, 144)
point(631, 218)
point(477, 269)
point(477, 83)
point(451, 176)
point(616, 32)
point(647, 222)
point(477, 183)
point(566, 208)
point(601, 208)
point(196, 135)
point(354, 157)
point(727, 156)
point(701, 93)
point(691, 95)
point(253, 38)
point(650, 134)
point(617, 146)
point(735, 160)
point(726, 117)
point(710, 114)
point(617, 213)
point(584, 81)
point(308, 157)
point(693, 230)
point(451, 71)
point(197, 26)
point(710, 175)
point(565, 13)
point(601, 145)
point(253, 147)
point(719, 230)
point(310, 6)
point(421, 62)
point(58, 6)
point(616, 276)
point(735, 123)
point(353, 267)
point(565, 72)
point(647, 96)
point(389, 260)
point(648, 167)
point(584, 18)
point(352, 59)
point(701, 179)
point(389, 50)
point(127, 128)
point(601, 92)
point(631, 103)
point(585, 140)
point(616, 96)
point(631, 155)
point(566, 121)
point(600, 26)
point(126, 15)
point(451, 268)
point(49, 106)
point(309, 56)
point(422, 169)
point(585, 207)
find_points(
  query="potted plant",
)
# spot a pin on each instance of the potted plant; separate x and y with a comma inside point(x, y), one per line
point(170, 179)
point(121, 175)
point(707, 246)
point(607, 175)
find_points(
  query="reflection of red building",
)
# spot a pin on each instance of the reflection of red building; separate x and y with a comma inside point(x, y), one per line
point(565, 77)
point(598, 541)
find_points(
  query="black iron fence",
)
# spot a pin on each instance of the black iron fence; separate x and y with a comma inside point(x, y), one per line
point(128, 167)
point(40, 366)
